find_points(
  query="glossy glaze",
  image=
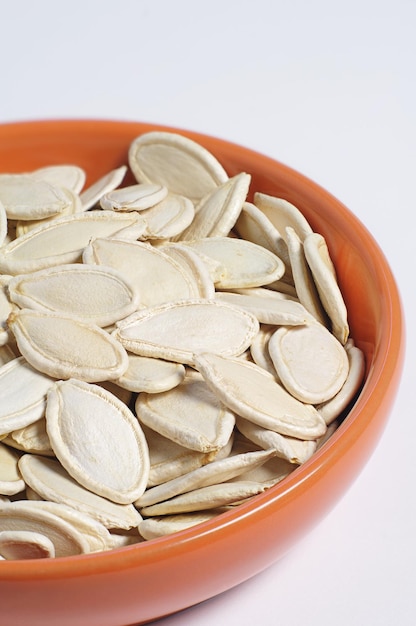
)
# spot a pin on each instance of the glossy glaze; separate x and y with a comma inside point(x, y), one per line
point(146, 581)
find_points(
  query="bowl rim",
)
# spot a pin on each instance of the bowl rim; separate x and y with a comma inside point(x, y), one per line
point(385, 374)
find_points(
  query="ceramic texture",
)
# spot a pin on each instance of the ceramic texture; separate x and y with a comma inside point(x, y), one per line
point(141, 583)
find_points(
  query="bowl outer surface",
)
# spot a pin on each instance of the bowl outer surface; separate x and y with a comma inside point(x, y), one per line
point(152, 579)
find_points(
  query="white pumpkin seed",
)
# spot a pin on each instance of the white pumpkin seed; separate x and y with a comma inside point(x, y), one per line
point(63, 240)
point(177, 330)
point(107, 455)
point(253, 393)
point(134, 198)
point(68, 176)
point(98, 294)
point(310, 362)
point(245, 263)
point(63, 346)
point(26, 198)
point(176, 162)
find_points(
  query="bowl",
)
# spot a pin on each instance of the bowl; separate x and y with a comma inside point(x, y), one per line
point(143, 582)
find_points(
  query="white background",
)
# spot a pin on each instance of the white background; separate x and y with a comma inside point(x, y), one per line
point(329, 89)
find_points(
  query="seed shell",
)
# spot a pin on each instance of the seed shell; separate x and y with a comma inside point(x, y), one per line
point(63, 346)
point(176, 162)
point(177, 330)
point(107, 455)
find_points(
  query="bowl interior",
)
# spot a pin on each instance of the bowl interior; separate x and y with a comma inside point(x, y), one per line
point(366, 282)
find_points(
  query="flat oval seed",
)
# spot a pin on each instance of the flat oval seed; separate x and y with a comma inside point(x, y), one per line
point(21, 515)
point(25, 198)
point(99, 294)
point(310, 362)
point(253, 393)
point(134, 198)
point(25, 544)
point(63, 239)
point(246, 264)
point(52, 482)
point(64, 346)
point(216, 213)
point(11, 481)
point(157, 277)
point(178, 163)
point(323, 271)
point(107, 455)
point(177, 330)
point(190, 415)
point(23, 392)
point(68, 176)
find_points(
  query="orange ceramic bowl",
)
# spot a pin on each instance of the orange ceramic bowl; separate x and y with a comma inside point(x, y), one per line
point(137, 584)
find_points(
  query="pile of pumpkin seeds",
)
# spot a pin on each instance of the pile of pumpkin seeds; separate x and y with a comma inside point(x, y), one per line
point(167, 349)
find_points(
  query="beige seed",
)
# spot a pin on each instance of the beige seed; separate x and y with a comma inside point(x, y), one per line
point(109, 456)
point(63, 346)
point(176, 162)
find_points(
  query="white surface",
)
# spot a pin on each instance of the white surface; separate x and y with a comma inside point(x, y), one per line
point(328, 88)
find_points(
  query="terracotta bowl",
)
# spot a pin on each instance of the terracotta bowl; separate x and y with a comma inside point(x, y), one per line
point(141, 583)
